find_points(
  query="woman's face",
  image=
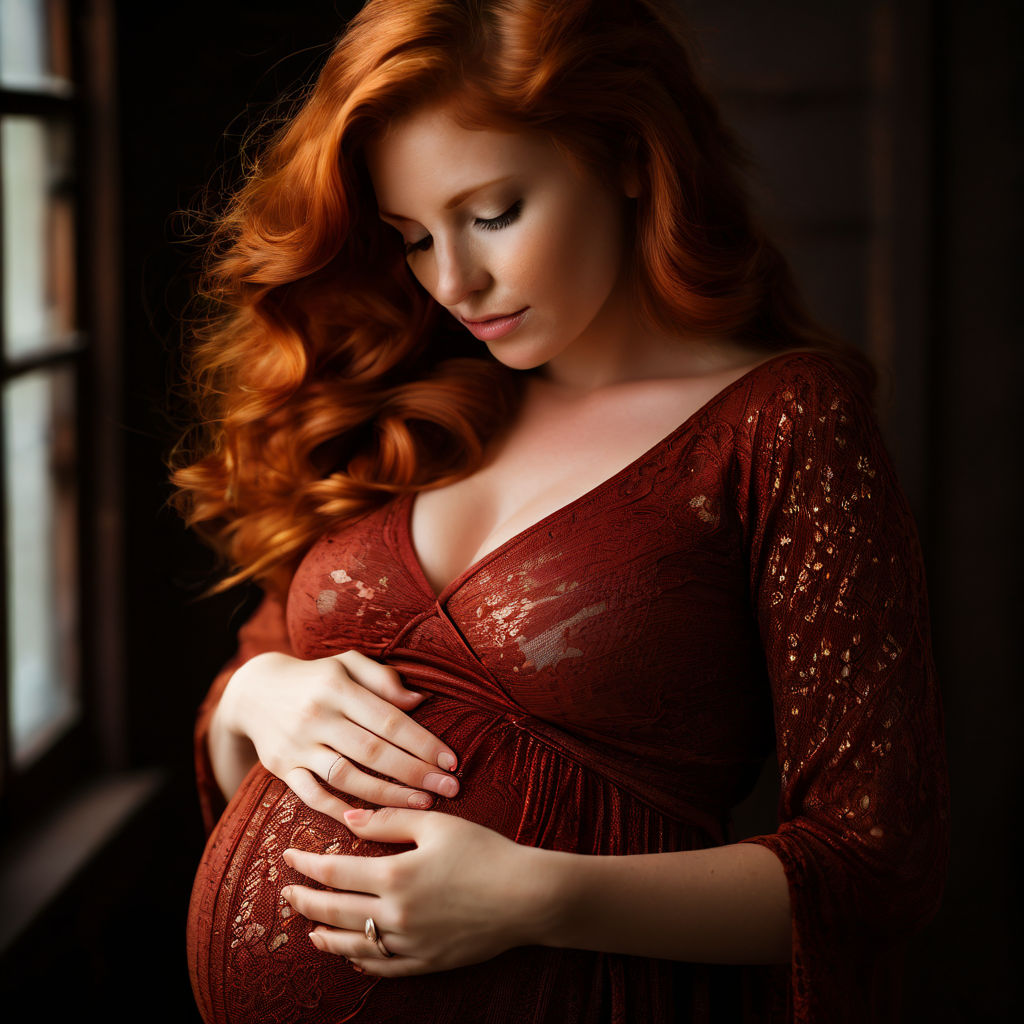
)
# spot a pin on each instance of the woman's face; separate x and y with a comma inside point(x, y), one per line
point(509, 235)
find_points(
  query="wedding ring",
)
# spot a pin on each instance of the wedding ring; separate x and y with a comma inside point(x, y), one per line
point(374, 936)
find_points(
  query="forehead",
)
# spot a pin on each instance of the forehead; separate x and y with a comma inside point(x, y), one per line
point(427, 157)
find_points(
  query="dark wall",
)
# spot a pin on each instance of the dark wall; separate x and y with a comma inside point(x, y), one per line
point(965, 965)
point(192, 78)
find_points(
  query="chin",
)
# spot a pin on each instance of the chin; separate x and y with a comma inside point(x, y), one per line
point(519, 360)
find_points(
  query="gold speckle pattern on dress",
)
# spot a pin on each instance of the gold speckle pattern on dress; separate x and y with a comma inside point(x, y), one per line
point(612, 679)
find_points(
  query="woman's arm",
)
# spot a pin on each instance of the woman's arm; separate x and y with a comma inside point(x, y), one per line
point(837, 581)
point(729, 904)
point(724, 905)
point(263, 631)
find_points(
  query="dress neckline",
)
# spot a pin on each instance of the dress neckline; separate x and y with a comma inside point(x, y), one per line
point(404, 504)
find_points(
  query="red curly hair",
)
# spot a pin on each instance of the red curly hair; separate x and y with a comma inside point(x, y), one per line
point(326, 380)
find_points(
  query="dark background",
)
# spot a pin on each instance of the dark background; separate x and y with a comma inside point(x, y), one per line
point(889, 140)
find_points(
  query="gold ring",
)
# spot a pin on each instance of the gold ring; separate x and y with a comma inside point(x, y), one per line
point(370, 930)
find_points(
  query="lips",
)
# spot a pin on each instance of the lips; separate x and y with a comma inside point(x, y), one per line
point(488, 329)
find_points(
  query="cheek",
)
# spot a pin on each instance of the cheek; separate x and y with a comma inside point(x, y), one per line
point(588, 256)
point(564, 259)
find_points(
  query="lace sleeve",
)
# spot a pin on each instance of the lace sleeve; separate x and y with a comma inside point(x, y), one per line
point(838, 584)
point(264, 630)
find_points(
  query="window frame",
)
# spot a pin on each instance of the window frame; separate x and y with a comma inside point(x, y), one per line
point(94, 741)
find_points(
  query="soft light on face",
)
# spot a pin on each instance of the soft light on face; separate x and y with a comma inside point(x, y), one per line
point(508, 234)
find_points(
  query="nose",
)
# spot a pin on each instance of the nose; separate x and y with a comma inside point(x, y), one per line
point(460, 272)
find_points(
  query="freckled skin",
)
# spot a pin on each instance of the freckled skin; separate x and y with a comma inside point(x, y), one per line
point(562, 256)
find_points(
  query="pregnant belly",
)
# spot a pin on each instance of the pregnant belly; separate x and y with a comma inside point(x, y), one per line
point(249, 953)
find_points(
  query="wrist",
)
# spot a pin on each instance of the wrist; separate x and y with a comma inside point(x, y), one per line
point(228, 717)
point(542, 895)
point(230, 750)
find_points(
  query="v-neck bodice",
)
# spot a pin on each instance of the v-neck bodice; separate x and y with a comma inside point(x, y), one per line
point(407, 502)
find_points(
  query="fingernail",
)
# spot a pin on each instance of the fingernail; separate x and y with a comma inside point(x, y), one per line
point(356, 968)
point(358, 816)
point(443, 784)
point(316, 940)
point(421, 800)
point(446, 761)
point(286, 892)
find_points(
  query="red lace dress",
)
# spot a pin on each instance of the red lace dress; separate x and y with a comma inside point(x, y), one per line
point(612, 679)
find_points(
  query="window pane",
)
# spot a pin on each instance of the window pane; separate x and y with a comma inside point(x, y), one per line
point(34, 45)
point(38, 216)
point(42, 576)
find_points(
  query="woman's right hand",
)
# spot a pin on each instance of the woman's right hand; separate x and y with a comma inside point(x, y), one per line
point(326, 720)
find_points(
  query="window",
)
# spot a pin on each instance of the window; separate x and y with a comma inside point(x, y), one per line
point(42, 367)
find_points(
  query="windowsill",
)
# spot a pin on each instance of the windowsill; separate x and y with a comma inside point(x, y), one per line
point(38, 867)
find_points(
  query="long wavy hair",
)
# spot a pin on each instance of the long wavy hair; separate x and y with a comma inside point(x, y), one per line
point(326, 380)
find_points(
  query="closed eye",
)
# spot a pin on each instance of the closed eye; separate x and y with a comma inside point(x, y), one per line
point(421, 245)
point(503, 220)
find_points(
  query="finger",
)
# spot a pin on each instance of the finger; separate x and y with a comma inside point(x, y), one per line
point(356, 947)
point(396, 967)
point(341, 773)
point(350, 874)
point(379, 678)
point(305, 786)
point(388, 825)
point(337, 909)
point(331, 869)
point(371, 750)
point(331, 940)
point(383, 719)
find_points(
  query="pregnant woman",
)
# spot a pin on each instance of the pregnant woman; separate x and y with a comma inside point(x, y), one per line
point(566, 515)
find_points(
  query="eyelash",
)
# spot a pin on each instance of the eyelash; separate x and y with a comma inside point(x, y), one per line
point(503, 220)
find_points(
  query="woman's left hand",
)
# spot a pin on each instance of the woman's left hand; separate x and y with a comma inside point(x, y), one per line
point(463, 895)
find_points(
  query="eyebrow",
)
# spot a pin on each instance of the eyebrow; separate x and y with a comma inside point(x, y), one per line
point(456, 200)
